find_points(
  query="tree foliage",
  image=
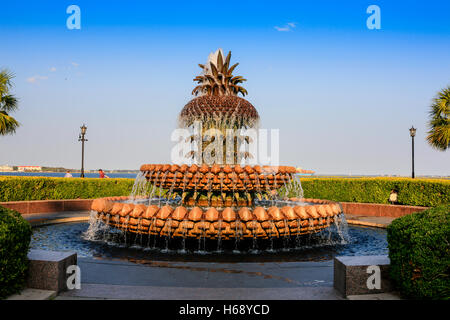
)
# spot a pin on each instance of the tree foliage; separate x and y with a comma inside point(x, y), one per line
point(8, 104)
point(439, 122)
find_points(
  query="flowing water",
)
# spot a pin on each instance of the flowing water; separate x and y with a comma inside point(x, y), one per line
point(91, 240)
point(145, 192)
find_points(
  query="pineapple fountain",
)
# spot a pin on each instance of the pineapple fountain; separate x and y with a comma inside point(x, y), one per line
point(222, 201)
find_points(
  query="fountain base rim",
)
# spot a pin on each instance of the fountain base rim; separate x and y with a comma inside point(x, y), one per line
point(258, 222)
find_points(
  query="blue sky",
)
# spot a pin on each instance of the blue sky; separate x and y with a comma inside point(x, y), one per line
point(343, 96)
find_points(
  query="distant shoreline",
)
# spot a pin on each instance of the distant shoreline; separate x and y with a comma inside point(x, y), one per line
point(75, 174)
point(132, 175)
point(92, 172)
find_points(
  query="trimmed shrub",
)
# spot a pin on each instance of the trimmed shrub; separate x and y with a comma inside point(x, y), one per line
point(38, 188)
point(419, 250)
point(414, 192)
point(15, 235)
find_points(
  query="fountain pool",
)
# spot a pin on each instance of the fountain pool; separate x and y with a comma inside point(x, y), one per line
point(317, 247)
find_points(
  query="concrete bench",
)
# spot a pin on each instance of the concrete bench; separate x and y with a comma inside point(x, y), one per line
point(48, 269)
point(362, 275)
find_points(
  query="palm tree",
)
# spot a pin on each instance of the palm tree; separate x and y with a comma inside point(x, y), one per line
point(439, 123)
point(8, 103)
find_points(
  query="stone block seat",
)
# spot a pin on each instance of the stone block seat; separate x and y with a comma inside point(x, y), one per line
point(48, 269)
point(357, 275)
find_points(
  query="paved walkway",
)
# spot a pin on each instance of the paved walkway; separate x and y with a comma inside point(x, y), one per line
point(41, 219)
point(33, 294)
point(110, 279)
point(108, 292)
point(368, 221)
point(157, 280)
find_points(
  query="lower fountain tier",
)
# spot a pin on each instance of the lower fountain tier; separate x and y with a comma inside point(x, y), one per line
point(212, 223)
point(218, 178)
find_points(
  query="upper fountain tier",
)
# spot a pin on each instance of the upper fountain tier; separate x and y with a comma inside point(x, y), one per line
point(218, 105)
point(223, 178)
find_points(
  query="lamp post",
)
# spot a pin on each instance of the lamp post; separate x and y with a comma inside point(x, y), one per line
point(412, 132)
point(82, 139)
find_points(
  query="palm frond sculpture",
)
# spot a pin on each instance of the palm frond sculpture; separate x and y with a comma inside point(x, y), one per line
point(218, 79)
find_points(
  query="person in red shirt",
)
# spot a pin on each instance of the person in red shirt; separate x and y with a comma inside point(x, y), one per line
point(102, 174)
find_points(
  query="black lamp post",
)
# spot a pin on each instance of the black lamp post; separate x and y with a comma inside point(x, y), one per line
point(412, 132)
point(82, 139)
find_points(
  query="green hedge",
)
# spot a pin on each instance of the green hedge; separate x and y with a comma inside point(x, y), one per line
point(38, 188)
point(419, 250)
point(15, 235)
point(418, 192)
point(415, 192)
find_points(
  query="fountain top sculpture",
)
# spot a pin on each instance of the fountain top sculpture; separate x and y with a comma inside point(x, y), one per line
point(217, 98)
point(217, 77)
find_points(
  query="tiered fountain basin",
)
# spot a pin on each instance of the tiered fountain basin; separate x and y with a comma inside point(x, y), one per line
point(295, 217)
point(218, 178)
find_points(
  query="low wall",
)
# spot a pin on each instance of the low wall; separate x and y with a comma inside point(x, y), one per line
point(379, 210)
point(47, 206)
